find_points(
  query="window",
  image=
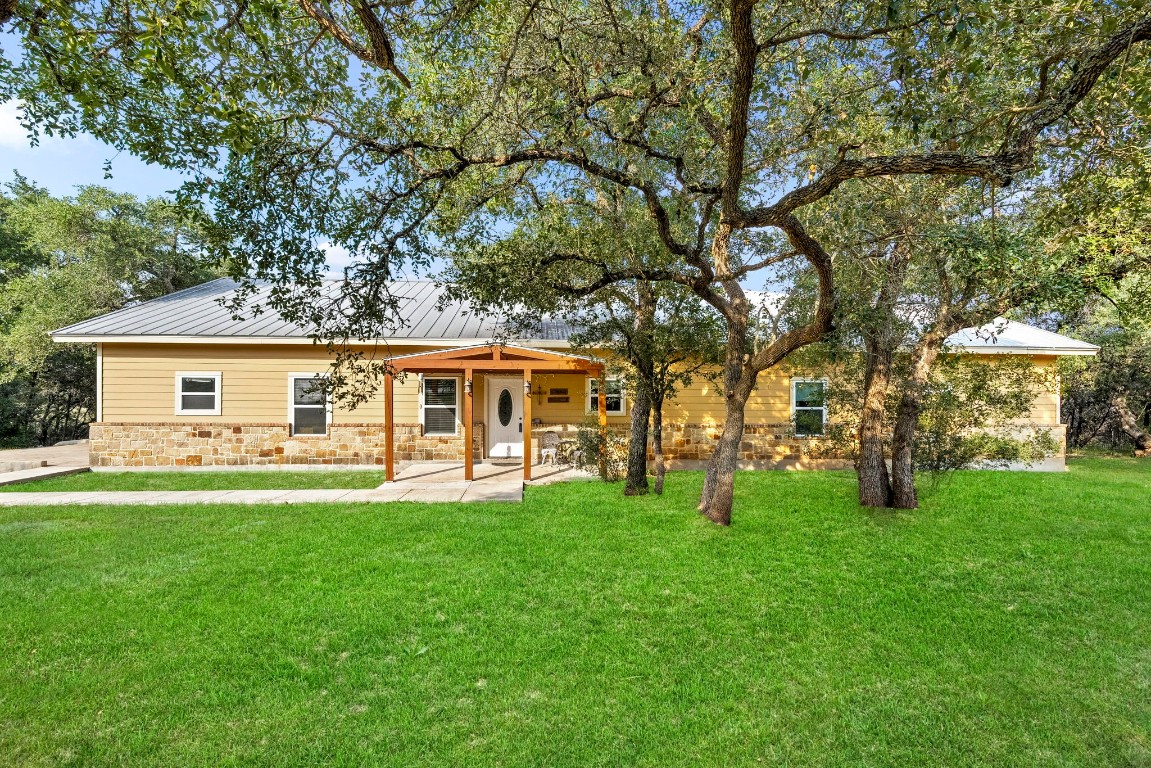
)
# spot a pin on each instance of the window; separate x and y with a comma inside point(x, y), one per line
point(198, 393)
point(308, 404)
point(615, 396)
point(809, 407)
point(441, 403)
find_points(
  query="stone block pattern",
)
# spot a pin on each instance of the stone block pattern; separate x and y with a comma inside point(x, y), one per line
point(761, 442)
point(195, 445)
point(696, 442)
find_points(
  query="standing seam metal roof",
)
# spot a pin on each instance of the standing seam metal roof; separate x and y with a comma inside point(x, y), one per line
point(199, 312)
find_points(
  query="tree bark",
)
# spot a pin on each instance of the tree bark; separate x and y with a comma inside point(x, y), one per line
point(636, 484)
point(880, 341)
point(874, 480)
point(1130, 424)
point(719, 483)
point(926, 351)
point(657, 442)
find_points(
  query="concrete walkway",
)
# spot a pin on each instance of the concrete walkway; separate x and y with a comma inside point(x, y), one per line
point(425, 482)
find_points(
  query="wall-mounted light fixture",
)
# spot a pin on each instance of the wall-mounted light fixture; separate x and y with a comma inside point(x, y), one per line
point(468, 386)
point(527, 387)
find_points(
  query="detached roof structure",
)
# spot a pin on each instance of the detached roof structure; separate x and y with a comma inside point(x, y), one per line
point(199, 315)
point(1007, 337)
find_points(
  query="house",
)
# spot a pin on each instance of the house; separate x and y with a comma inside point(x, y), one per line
point(183, 383)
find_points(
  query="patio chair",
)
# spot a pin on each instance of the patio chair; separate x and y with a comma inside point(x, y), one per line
point(549, 442)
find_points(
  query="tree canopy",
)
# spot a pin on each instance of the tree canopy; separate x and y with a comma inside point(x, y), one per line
point(393, 130)
point(66, 259)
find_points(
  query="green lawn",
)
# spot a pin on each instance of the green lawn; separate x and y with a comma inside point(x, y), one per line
point(202, 481)
point(1006, 623)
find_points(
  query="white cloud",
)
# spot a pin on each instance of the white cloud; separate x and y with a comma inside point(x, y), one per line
point(338, 257)
point(12, 134)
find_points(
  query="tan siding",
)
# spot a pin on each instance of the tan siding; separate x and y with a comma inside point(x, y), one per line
point(139, 386)
point(1045, 410)
point(140, 383)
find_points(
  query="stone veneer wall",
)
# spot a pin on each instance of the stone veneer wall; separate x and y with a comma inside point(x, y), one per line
point(195, 445)
point(762, 443)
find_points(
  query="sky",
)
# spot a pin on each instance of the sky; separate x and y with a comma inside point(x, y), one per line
point(63, 164)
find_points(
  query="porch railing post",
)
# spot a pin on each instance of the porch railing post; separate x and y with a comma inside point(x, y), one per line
point(389, 430)
point(468, 385)
point(528, 424)
point(603, 423)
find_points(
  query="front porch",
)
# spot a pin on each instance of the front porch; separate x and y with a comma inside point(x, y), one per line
point(503, 423)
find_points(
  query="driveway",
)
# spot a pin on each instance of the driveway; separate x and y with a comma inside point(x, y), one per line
point(73, 455)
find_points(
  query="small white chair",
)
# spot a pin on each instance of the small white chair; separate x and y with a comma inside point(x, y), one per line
point(549, 442)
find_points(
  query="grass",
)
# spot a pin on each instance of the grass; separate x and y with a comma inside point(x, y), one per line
point(202, 481)
point(1005, 623)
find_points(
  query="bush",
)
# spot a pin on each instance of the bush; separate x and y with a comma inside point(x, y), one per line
point(592, 446)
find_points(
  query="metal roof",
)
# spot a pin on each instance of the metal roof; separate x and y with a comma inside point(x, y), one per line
point(1007, 337)
point(199, 314)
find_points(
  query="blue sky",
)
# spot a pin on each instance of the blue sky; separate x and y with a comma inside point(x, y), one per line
point(63, 164)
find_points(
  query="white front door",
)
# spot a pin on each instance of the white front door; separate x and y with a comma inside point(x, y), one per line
point(505, 422)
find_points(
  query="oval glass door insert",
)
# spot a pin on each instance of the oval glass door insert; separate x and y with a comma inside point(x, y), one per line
point(504, 407)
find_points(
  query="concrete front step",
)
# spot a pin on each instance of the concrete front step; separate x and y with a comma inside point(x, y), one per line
point(20, 466)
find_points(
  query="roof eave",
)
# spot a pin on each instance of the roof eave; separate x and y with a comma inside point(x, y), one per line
point(295, 340)
point(1001, 350)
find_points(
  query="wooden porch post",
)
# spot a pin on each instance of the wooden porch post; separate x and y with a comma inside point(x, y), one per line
point(468, 386)
point(603, 422)
point(389, 430)
point(527, 424)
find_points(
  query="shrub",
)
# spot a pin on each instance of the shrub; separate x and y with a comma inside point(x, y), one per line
point(592, 446)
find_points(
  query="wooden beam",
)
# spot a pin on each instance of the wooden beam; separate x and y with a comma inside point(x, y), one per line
point(468, 386)
point(389, 429)
point(603, 423)
point(435, 365)
point(527, 425)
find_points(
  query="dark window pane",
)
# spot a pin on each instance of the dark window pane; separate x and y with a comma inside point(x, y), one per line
point(439, 392)
point(440, 421)
point(309, 421)
point(809, 394)
point(197, 384)
point(808, 421)
point(198, 402)
point(504, 408)
point(614, 395)
point(307, 392)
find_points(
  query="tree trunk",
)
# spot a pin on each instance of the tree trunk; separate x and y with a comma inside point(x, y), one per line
point(1130, 424)
point(874, 480)
point(880, 341)
point(636, 484)
point(657, 442)
point(907, 421)
point(719, 483)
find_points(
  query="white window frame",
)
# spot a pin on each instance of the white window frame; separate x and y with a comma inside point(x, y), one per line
point(424, 406)
point(595, 408)
point(217, 376)
point(826, 384)
point(310, 375)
